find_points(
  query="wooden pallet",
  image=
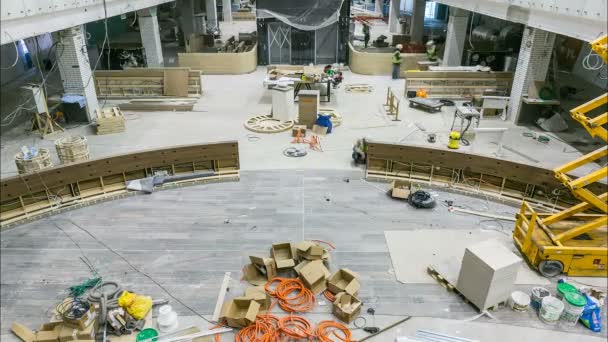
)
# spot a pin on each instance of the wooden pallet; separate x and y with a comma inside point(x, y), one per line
point(110, 121)
point(452, 288)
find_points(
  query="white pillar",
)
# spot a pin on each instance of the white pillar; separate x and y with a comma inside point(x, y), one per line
point(211, 10)
point(186, 10)
point(150, 37)
point(227, 10)
point(75, 68)
point(379, 6)
point(456, 37)
point(532, 65)
point(417, 28)
point(200, 24)
point(393, 16)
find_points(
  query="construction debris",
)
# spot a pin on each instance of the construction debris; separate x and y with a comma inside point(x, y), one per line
point(358, 88)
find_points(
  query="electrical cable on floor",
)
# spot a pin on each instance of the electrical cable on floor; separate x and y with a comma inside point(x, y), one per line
point(16, 52)
point(141, 272)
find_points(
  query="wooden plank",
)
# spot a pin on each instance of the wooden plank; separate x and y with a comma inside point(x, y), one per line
point(220, 297)
point(175, 82)
point(221, 63)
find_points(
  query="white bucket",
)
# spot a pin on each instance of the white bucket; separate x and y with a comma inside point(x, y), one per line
point(550, 310)
point(167, 319)
point(519, 301)
point(572, 312)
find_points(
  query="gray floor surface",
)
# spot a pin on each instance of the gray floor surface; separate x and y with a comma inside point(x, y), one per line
point(179, 238)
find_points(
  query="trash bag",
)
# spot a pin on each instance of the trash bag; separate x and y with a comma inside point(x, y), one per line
point(421, 199)
point(136, 305)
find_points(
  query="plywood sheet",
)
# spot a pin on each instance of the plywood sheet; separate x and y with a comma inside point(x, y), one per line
point(413, 251)
point(375, 63)
point(220, 63)
point(175, 82)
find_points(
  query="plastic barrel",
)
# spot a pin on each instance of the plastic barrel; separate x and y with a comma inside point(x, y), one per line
point(550, 310)
point(536, 295)
point(563, 288)
point(574, 304)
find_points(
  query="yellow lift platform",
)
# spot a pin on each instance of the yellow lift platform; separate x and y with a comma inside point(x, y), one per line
point(575, 240)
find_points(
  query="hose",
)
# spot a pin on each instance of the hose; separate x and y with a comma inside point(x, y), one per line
point(296, 327)
point(291, 294)
point(329, 296)
point(327, 329)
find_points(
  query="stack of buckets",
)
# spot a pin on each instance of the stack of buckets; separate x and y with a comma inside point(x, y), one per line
point(567, 305)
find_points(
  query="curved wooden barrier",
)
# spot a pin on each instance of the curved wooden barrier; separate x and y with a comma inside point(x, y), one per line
point(31, 195)
point(491, 177)
point(221, 62)
point(379, 63)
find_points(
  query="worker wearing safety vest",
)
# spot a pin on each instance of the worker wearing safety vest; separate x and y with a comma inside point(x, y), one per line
point(397, 61)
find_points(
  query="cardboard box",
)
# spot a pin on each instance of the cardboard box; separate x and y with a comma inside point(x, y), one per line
point(23, 332)
point(310, 250)
point(344, 280)
point(67, 334)
point(260, 271)
point(298, 129)
point(52, 324)
point(320, 130)
point(283, 255)
point(400, 189)
point(314, 276)
point(240, 312)
point(308, 107)
point(346, 307)
point(82, 322)
point(258, 293)
point(46, 336)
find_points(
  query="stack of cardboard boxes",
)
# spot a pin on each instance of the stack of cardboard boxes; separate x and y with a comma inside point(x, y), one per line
point(309, 260)
point(60, 329)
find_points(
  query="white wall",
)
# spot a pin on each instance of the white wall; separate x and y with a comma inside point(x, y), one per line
point(591, 76)
point(7, 57)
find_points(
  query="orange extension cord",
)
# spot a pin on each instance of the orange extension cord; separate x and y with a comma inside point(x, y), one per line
point(325, 330)
point(291, 294)
point(296, 327)
point(330, 296)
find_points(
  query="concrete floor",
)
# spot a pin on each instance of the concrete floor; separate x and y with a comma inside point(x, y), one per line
point(179, 237)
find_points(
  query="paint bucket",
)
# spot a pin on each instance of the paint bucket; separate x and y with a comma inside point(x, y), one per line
point(574, 304)
point(536, 296)
point(563, 288)
point(167, 319)
point(519, 301)
point(550, 310)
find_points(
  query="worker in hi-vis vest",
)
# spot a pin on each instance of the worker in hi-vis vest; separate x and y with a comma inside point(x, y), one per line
point(397, 61)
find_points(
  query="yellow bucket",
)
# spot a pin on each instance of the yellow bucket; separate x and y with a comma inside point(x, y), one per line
point(454, 142)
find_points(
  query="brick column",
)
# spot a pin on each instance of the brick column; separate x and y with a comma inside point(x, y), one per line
point(74, 67)
point(417, 29)
point(186, 11)
point(211, 10)
point(150, 37)
point(393, 16)
point(532, 65)
point(456, 36)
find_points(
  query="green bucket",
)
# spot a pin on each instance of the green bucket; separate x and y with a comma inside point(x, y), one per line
point(563, 288)
point(146, 334)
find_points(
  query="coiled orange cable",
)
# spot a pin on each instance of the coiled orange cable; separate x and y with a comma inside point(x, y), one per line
point(259, 331)
point(296, 327)
point(291, 294)
point(325, 330)
point(330, 296)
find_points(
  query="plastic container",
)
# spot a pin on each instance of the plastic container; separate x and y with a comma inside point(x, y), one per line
point(551, 309)
point(563, 288)
point(574, 304)
point(167, 319)
point(536, 296)
point(146, 334)
point(519, 301)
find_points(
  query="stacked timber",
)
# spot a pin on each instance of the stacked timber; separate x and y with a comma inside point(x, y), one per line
point(72, 149)
point(110, 121)
point(27, 164)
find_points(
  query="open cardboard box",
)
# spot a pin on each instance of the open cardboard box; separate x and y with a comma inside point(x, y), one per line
point(400, 189)
point(240, 312)
point(309, 250)
point(283, 254)
point(346, 307)
point(260, 271)
point(258, 293)
point(314, 275)
point(344, 280)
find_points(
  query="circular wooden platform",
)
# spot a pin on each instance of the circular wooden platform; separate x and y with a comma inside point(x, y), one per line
point(267, 124)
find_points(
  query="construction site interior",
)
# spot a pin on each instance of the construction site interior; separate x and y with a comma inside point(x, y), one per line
point(303, 170)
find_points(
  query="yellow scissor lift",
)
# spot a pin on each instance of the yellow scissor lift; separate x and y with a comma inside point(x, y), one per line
point(572, 241)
